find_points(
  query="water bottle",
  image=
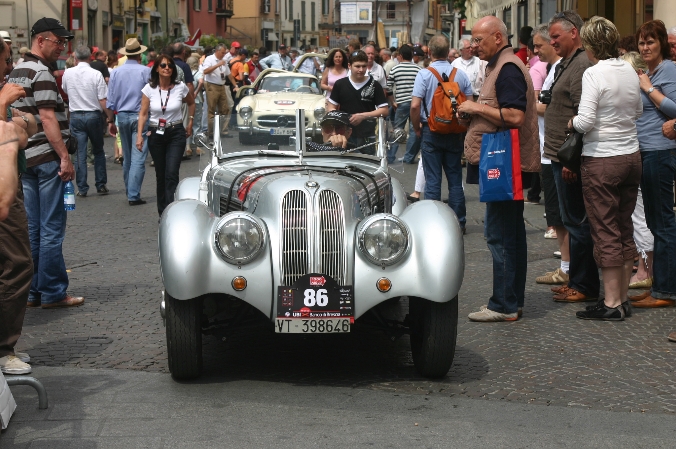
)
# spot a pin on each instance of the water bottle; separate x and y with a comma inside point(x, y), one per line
point(69, 196)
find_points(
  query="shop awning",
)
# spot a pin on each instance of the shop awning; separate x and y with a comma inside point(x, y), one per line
point(486, 7)
point(272, 37)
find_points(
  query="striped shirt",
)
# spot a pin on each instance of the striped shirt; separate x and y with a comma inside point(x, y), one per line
point(401, 80)
point(36, 77)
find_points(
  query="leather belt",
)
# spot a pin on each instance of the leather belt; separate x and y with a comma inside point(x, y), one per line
point(169, 124)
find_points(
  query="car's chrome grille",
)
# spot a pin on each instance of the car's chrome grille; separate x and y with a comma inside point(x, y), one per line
point(278, 121)
point(332, 236)
point(294, 236)
point(300, 224)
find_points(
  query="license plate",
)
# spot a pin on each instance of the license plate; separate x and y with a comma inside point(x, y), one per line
point(282, 132)
point(312, 326)
point(315, 303)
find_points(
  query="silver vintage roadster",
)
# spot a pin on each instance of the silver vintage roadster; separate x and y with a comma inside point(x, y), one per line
point(307, 243)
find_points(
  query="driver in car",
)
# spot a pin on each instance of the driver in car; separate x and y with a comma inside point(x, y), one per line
point(336, 130)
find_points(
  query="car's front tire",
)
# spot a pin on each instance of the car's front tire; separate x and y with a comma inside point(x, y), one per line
point(184, 336)
point(434, 331)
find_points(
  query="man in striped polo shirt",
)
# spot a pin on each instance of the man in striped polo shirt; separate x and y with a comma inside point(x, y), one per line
point(401, 80)
point(48, 164)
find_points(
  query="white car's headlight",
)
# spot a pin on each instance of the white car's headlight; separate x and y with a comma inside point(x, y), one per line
point(383, 239)
point(239, 238)
point(245, 112)
point(320, 112)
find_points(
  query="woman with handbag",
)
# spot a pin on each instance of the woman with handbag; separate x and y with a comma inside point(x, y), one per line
point(611, 163)
point(658, 154)
point(161, 100)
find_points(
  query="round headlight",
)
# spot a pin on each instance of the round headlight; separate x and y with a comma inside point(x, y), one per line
point(245, 112)
point(320, 112)
point(383, 239)
point(239, 239)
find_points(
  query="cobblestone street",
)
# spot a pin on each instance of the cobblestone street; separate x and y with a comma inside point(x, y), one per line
point(547, 357)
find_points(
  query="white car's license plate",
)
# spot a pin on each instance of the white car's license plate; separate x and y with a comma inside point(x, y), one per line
point(312, 326)
point(282, 132)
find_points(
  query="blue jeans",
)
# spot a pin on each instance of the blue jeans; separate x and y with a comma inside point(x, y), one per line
point(583, 272)
point(401, 115)
point(167, 151)
point(659, 170)
point(83, 126)
point(506, 238)
point(134, 166)
point(442, 152)
point(43, 199)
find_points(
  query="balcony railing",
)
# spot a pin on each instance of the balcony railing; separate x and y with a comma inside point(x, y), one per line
point(224, 8)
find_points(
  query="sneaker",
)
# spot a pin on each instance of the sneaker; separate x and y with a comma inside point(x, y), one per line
point(602, 312)
point(550, 234)
point(487, 315)
point(557, 254)
point(10, 364)
point(519, 311)
point(626, 306)
point(25, 358)
point(103, 190)
point(81, 194)
point(553, 277)
point(531, 202)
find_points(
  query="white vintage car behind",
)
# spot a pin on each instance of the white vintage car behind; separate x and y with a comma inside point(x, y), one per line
point(267, 108)
point(306, 243)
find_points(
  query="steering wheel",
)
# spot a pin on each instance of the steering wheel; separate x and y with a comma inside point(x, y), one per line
point(303, 87)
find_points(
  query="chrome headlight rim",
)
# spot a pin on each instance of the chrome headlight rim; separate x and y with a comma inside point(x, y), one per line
point(229, 217)
point(367, 223)
point(319, 112)
point(245, 112)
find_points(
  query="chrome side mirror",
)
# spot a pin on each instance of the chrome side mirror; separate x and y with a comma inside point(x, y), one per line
point(202, 140)
point(398, 136)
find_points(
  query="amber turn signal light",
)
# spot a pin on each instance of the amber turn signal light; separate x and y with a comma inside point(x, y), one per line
point(384, 285)
point(239, 283)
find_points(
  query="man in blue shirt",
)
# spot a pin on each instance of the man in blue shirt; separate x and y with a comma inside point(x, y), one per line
point(439, 151)
point(124, 97)
point(280, 60)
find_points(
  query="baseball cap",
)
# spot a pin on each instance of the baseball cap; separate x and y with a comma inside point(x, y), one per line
point(337, 116)
point(235, 44)
point(417, 51)
point(53, 25)
point(6, 37)
point(244, 52)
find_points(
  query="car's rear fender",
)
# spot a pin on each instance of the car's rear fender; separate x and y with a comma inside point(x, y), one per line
point(191, 266)
point(433, 267)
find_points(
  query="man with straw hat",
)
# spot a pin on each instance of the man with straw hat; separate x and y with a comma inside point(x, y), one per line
point(124, 97)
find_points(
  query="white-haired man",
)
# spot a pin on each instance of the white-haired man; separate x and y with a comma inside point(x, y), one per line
point(471, 65)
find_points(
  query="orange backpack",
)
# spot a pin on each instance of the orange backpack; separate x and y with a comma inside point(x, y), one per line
point(443, 117)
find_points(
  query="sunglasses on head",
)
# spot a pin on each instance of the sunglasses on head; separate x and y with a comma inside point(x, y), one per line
point(561, 15)
point(329, 128)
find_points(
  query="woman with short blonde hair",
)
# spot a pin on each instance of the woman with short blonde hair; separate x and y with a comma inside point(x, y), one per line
point(611, 163)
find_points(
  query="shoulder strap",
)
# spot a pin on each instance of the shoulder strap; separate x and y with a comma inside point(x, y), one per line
point(451, 77)
point(435, 73)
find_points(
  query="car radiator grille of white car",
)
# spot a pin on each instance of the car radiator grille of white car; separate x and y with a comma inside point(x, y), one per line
point(278, 121)
point(313, 236)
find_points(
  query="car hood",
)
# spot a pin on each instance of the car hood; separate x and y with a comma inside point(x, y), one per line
point(281, 101)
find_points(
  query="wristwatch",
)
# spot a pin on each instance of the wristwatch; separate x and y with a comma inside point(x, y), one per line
point(25, 119)
point(649, 91)
point(674, 126)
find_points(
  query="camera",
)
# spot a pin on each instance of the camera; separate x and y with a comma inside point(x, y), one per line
point(545, 96)
point(464, 116)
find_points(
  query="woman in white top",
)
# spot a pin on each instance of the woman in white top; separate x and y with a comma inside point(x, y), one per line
point(162, 98)
point(611, 163)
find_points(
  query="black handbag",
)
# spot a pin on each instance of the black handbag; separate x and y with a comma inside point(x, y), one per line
point(570, 153)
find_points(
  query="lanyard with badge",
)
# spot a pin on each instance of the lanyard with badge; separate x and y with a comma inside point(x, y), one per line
point(162, 123)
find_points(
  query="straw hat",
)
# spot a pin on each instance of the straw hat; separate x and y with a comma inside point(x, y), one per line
point(132, 47)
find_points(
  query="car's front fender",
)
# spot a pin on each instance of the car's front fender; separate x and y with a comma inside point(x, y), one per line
point(433, 267)
point(191, 266)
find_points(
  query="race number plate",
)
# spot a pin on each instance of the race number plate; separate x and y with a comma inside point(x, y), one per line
point(282, 132)
point(314, 304)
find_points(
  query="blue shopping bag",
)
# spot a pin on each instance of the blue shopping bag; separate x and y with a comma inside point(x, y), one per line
point(500, 167)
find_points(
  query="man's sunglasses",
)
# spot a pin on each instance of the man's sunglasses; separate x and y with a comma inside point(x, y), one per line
point(338, 129)
point(562, 15)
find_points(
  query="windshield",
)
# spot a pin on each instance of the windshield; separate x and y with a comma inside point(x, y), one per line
point(289, 84)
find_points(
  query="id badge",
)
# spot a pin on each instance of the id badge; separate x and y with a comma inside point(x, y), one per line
point(222, 76)
point(161, 126)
